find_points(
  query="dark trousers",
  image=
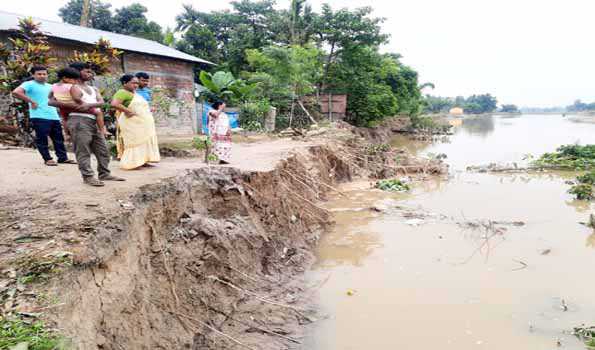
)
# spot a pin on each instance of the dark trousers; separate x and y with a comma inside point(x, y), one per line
point(87, 140)
point(45, 128)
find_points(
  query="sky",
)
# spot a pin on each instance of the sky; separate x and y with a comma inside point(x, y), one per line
point(525, 52)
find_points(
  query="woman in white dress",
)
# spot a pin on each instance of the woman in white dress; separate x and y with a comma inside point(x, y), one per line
point(220, 133)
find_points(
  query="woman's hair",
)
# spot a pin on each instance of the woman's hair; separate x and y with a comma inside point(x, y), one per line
point(217, 104)
point(126, 78)
point(68, 72)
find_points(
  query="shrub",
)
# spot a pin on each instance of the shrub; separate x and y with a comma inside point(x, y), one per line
point(582, 192)
point(392, 185)
point(253, 115)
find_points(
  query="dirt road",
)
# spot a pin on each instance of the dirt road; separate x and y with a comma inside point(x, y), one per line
point(23, 175)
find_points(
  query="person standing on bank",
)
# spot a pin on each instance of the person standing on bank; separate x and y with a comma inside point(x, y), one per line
point(143, 86)
point(43, 117)
point(86, 136)
point(220, 132)
point(137, 137)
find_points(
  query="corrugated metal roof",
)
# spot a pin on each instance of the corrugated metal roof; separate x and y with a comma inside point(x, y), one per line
point(10, 21)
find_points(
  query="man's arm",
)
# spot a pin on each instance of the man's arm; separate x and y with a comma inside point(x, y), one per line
point(99, 97)
point(20, 93)
point(118, 105)
point(77, 96)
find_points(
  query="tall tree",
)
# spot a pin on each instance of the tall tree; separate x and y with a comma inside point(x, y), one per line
point(244, 27)
point(291, 72)
point(85, 13)
point(341, 29)
point(100, 16)
point(131, 20)
point(478, 104)
point(362, 73)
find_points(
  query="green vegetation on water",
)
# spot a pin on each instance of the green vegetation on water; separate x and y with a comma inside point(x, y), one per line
point(34, 335)
point(392, 185)
point(568, 157)
point(576, 158)
point(583, 190)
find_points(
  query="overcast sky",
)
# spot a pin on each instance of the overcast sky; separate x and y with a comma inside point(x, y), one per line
point(527, 52)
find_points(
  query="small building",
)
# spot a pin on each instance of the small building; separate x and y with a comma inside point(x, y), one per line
point(336, 104)
point(170, 69)
point(457, 111)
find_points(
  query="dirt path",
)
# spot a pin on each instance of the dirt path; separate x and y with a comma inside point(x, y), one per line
point(23, 175)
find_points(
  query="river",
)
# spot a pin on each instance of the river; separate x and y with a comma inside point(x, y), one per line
point(418, 278)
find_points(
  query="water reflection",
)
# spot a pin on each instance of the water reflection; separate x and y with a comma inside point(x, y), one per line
point(481, 126)
point(350, 242)
point(579, 206)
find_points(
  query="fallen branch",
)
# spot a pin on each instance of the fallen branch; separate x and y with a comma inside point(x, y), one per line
point(264, 300)
point(8, 225)
point(213, 329)
point(229, 317)
point(320, 183)
point(524, 265)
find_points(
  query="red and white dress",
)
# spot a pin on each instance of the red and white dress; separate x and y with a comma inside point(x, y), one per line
point(220, 133)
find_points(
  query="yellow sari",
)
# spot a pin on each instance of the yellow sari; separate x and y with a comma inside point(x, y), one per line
point(137, 138)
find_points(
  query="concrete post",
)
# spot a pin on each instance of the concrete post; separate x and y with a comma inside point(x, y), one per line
point(269, 122)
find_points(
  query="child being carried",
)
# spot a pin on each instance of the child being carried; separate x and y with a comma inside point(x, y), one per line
point(62, 92)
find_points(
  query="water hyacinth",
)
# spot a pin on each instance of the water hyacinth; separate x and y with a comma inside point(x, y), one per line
point(393, 185)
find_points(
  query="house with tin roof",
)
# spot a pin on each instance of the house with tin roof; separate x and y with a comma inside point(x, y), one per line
point(170, 69)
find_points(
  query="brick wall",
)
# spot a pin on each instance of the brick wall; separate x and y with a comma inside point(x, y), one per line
point(174, 77)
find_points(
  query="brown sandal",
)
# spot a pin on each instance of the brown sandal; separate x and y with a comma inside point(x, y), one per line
point(51, 162)
point(68, 161)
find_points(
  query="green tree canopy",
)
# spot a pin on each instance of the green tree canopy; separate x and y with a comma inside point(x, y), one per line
point(129, 20)
point(509, 108)
point(100, 16)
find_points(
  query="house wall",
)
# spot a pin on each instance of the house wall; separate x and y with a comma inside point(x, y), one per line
point(168, 76)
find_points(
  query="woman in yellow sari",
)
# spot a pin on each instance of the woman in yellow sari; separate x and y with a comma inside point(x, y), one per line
point(137, 139)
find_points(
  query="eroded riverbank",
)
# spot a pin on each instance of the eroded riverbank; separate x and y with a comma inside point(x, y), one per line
point(211, 257)
point(420, 278)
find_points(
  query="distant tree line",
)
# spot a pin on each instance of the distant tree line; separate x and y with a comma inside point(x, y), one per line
point(579, 106)
point(474, 104)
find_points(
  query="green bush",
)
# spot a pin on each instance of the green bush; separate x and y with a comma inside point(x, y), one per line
point(588, 178)
point(253, 115)
point(571, 157)
point(392, 185)
point(582, 192)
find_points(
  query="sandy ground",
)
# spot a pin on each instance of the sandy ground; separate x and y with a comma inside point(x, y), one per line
point(24, 175)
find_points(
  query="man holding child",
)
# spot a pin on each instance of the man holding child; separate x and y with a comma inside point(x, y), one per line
point(85, 124)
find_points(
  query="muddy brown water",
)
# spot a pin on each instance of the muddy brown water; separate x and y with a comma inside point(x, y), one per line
point(432, 284)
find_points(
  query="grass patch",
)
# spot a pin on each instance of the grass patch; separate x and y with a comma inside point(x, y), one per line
point(35, 335)
point(428, 124)
point(392, 185)
point(569, 157)
point(34, 270)
point(374, 149)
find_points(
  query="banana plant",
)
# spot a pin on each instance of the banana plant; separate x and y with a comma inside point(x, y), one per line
point(224, 86)
point(219, 85)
